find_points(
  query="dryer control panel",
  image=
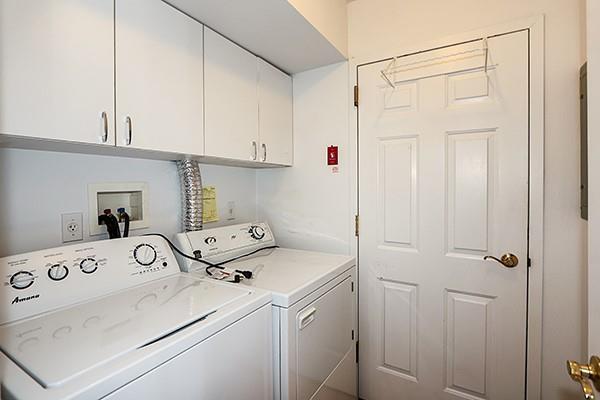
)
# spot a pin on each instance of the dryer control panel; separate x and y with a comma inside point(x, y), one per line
point(43, 280)
point(219, 244)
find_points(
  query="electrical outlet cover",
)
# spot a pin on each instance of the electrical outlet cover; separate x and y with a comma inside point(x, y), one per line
point(72, 227)
point(231, 211)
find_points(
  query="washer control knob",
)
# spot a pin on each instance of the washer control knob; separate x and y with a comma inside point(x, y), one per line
point(210, 240)
point(22, 280)
point(144, 254)
point(88, 265)
point(58, 272)
point(257, 232)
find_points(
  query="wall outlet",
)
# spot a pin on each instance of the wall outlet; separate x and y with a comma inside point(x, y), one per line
point(230, 210)
point(72, 227)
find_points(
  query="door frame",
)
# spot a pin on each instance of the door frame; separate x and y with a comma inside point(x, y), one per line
point(535, 27)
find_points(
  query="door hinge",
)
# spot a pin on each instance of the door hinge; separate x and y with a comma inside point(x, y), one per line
point(529, 262)
point(355, 95)
point(357, 351)
point(356, 225)
point(352, 334)
point(352, 286)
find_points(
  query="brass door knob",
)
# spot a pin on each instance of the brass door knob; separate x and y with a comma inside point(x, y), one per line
point(508, 260)
point(584, 373)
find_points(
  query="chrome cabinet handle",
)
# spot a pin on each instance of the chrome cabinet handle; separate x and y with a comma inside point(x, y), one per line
point(254, 150)
point(129, 129)
point(104, 127)
point(508, 260)
point(264, 148)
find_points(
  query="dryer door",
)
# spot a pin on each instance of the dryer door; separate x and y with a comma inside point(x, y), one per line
point(324, 336)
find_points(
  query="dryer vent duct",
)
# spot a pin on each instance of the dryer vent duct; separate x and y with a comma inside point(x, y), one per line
point(191, 194)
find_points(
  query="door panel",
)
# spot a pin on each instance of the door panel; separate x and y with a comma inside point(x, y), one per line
point(231, 91)
point(399, 333)
point(159, 78)
point(56, 64)
point(443, 174)
point(275, 114)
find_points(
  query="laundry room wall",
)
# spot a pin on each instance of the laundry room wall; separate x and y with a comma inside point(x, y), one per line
point(36, 187)
point(308, 205)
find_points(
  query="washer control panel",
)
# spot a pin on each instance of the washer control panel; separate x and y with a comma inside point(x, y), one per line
point(219, 244)
point(43, 280)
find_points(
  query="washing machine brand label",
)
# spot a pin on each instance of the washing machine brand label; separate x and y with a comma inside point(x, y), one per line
point(18, 299)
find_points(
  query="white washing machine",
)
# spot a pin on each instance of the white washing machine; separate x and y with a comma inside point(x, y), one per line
point(314, 306)
point(117, 319)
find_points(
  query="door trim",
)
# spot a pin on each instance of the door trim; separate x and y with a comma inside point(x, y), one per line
point(535, 27)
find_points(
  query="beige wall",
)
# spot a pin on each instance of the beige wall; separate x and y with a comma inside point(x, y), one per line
point(328, 17)
point(380, 27)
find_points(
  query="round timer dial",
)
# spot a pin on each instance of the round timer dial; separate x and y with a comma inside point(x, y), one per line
point(58, 272)
point(257, 232)
point(144, 254)
point(22, 280)
point(88, 265)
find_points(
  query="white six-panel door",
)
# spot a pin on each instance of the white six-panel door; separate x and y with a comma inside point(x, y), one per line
point(443, 181)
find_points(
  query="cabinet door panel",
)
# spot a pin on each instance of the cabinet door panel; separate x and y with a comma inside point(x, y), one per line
point(231, 111)
point(159, 78)
point(275, 115)
point(56, 70)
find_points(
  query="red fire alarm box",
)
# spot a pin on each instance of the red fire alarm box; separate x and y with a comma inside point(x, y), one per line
point(332, 155)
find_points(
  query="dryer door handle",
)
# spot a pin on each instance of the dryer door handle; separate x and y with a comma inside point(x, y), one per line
point(307, 317)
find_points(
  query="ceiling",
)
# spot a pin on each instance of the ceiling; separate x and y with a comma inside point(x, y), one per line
point(271, 29)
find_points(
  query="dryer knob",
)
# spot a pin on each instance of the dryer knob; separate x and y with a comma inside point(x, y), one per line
point(257, 232)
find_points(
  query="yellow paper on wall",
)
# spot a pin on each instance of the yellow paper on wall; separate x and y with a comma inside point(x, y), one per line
point(209, 204)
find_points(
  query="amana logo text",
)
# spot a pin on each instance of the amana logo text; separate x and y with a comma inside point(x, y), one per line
point(19, 299)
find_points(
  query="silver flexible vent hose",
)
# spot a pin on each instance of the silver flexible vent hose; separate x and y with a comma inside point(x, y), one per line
point(191, 194)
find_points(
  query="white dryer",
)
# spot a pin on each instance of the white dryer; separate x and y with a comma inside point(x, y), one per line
point(117, 319)
point(314, 306)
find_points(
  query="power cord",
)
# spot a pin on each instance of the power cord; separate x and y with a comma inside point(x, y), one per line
point(209, 265)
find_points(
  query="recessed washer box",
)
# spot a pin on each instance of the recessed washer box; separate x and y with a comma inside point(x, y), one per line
point(133, 196)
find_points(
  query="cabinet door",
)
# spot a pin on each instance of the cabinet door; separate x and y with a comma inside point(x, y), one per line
point(56, 70)
point(158, 78)
point(231, 111)
point(275, 115)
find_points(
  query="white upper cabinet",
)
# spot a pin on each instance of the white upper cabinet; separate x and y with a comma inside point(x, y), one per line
point(159, 78)
point(56, 70)
point(231, 99)
point(275, 115)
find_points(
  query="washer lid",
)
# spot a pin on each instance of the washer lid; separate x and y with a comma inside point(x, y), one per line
point(56, 347)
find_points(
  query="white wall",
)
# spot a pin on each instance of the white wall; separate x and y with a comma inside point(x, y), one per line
point(36, 187)
point(380, 27)
point(308, 205)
